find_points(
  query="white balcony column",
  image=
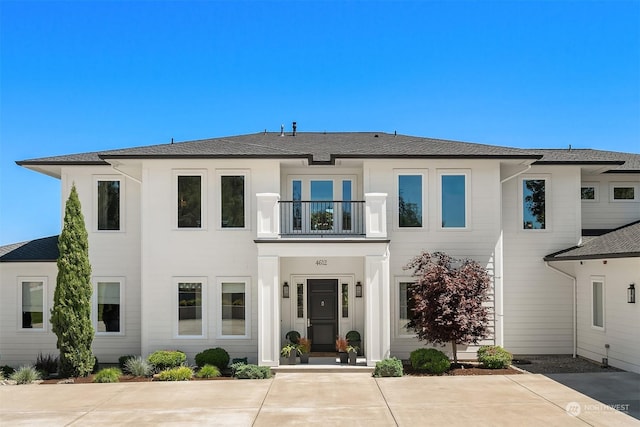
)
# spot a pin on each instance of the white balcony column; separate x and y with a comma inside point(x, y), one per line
point(377, 317)
point(268, 223)
point(268, 311)
point(376, 215)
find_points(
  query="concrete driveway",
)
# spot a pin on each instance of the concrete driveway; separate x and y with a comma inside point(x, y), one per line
point(311, 399)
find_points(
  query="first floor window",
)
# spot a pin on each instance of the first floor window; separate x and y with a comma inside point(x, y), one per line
point(406, 305)
point(300, 300)
point(534, 204)
point(32, 304)
point(345, 300)
point(189, 201)
point(597, 289)
point(108, 298)
point(189, 308)
point(234, 308)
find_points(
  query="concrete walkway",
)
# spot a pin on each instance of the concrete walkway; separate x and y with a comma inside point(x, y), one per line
point(322, 399)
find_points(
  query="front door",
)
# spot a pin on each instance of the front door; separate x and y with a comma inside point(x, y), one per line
point(322, 304)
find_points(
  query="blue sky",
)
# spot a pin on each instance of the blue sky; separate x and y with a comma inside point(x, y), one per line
point(81, 76)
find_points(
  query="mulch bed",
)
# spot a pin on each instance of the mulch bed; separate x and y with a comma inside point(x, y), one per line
point(462, 369)
point(123, 379)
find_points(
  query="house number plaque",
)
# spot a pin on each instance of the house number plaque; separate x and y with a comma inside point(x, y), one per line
point(321, 262)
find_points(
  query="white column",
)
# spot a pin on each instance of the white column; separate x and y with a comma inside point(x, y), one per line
point(268, 223)
point(377, 336)
point(376, 215)
point(268, 311)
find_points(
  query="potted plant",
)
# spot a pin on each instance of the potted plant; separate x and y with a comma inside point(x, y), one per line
point(352, 351)
point(304, 347)
point(290, 351)
point(341, 348)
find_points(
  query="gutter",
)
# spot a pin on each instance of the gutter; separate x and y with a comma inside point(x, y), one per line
point(575, 318)
point(126, 174)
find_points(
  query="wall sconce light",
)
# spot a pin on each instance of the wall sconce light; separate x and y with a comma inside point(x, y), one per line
point(285, 290)
point(358, 290)
point(631, 294)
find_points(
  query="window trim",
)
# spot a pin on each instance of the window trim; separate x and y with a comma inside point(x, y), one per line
point(424, 174)
point(596, 192)
point(467, 197)
point(176, 306)
point(247, 306)
point(45, 304)
point(598, 279)
point(247, 199)
point(399, 330)
point(202, 173)
point(119, 178)
point(94, 305)
point(620, 184)
point(547, 202)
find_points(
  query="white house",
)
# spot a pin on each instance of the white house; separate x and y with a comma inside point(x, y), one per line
point(235, 241)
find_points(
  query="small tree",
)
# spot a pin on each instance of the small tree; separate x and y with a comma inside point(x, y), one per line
point(448, 299)
point(71, 312)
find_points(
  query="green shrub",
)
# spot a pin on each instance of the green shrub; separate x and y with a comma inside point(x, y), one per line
point(138, 367)
point(213, 356)
point(25, 375)
point(108, 375)
point(251, 372)
point(47, 365)
point(7, 370)
point(181, 373)
point(494, 357)
point(208, 371)
point(234, 367)
point(430, 360)
point(391, 367)
point(239, 360)
point(166, 359)
point(122, 360)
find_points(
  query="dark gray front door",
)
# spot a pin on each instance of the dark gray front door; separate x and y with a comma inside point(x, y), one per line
point(322, 304)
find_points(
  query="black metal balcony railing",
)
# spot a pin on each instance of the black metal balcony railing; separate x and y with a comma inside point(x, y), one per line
point(298, 217)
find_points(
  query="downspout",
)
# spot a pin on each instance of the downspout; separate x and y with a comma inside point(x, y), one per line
point(575, 320)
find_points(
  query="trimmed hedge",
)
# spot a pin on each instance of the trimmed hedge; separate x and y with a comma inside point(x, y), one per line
point(430, 360)
point(391, 367)
point(166, 359)
point(213, 356)
point(494, 357)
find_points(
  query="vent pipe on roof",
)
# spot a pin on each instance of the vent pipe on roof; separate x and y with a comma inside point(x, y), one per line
point(172, 140)
point(294, 126)
point(281, 130)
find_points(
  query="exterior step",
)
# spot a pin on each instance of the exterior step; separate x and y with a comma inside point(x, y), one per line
point(325, 365)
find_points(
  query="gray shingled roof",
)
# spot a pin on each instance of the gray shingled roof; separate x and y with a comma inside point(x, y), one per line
point(38, 250)
point(626, 162)
point(318, 147)
point(623, 242)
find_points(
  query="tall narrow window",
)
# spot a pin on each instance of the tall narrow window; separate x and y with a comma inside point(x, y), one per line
point(454, 214)
point(296, 190)
point(410, 200)
point(347, 213)
point(321, 205)
point(598, 303)
point(533, 204)
point(189, 201)
point(345, 300)
point(190, 309)
point(232, 195)
point(405, 307)
point(233, 309)
point(108, 208)
point(32, 305)
point(300, 300)
point(108, 298)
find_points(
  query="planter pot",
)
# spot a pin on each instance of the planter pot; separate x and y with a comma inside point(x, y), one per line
point(304, 358)
point(344, 357)
point(291, 360)
point(353, 357)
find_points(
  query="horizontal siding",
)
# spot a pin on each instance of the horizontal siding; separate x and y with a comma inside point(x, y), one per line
point(604, 213)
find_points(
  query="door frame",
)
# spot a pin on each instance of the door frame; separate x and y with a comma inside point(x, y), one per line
point(300, 324)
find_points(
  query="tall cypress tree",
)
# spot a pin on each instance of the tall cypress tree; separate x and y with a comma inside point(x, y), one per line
point(71, 312)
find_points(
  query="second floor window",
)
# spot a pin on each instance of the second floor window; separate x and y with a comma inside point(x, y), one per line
point(410, 200)
point(189, 201)
point(232, 201)
point(108, 208)
point(534, 204)
point(454, 213)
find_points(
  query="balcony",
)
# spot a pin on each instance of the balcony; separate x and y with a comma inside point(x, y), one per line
point(321, 219)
